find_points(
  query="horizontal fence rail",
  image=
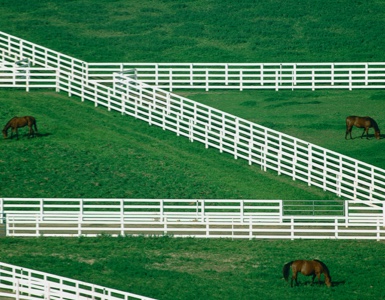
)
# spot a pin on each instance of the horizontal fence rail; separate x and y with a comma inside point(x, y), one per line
point(27, 284)
point(27, 78)
point(199, 218)
point(298, 159)
point(294, 227)
point(144, 209)
point(248, 75)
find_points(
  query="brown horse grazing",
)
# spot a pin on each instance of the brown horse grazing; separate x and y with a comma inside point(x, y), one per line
point(362, 122)
point(17, 122)
point(307, 268)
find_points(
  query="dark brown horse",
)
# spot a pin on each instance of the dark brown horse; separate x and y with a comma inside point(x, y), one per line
point(307, 268)
point(362, 122)
point(17, 122)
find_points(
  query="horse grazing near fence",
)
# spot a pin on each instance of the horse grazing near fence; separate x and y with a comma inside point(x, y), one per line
point(17, 122)
point(307, 268)
point(362, 122)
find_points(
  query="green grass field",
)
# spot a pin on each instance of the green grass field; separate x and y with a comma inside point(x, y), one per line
point(169, 268)
point(86, 152)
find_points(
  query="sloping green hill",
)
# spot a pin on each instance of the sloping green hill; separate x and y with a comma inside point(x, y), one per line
point(82, 151)
point(189, 31)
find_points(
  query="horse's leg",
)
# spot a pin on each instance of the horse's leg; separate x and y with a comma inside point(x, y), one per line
point(31, 132)
point(348, 131)
point(367, 133)
point(294, 277)
point(13, 131)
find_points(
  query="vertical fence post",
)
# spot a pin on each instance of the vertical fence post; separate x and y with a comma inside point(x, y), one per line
point(191, 74)
point(310, 164)
point(242, 210)
point(226, 74)
point(241, 80)
point(313, 80)
point(336, 228)
point(202, 210)
point(350, 79)
point(366, 74)
point(80, 221)
point(17, 288)
point(27, 79)
point(294, 158)
point(57, 80)
point(261, 75)
point(37, 227)
point(383, 214)
point(156, 75)
point(378, 230)
point(294, 77)
point(47, 294)
point(170, 80)
point(165, 226)
point(236, 137)
point(41, 208)
point(346, 213)
point(250, 228)
point(122, 217)
point(276, 80)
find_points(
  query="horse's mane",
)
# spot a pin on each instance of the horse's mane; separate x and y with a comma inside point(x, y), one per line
point(323, 266)
point(8, 124)
point(10, 121)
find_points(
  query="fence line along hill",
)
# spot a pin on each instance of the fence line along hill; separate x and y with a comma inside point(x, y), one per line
point(127, 92)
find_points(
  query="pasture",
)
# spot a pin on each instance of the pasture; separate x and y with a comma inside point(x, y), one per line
point(188, 268)
point(86, 152)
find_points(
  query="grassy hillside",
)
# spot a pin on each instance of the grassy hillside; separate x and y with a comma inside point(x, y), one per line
point(317, 117)
point(88, 152)
point(167, 268)
point(202, 30)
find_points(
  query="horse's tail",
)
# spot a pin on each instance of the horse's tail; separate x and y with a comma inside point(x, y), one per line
point(286, 269)
point(323, 266)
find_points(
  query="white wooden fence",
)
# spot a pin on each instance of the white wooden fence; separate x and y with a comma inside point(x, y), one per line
point(145, 209)
point(259, 145)
point(291, 227)
point(242, 76)
point(187, 217)
point(13, 76)
point(26, 284)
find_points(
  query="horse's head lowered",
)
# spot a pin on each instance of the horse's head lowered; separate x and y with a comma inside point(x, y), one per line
point(377, 134)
